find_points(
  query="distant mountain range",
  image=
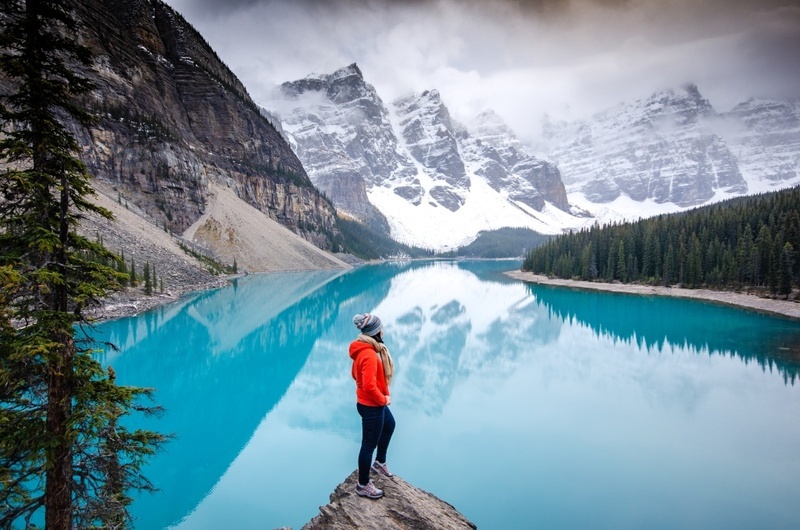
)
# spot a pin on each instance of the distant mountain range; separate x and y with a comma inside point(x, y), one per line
point(174, 124)
point(411, 168)
point(674, 148)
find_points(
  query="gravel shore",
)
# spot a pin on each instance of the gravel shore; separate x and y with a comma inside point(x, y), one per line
point(785, 308)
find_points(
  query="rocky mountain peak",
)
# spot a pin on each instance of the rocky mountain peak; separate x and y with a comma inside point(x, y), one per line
point(348, 71)
point(415, 162)
point(345, 85)
point(342, 132)
point(765, 137)
point(499, 156)
point(680, 108)
point(661, 148)
point(430, 135)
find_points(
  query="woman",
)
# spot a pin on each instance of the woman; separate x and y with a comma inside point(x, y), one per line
point(372, 370)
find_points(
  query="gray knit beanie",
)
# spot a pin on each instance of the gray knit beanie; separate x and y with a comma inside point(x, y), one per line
point(369, 325)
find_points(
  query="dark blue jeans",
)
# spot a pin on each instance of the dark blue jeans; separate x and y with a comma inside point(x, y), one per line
point(377, 426)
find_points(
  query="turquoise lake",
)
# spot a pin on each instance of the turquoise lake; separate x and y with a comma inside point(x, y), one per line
point(523, 406)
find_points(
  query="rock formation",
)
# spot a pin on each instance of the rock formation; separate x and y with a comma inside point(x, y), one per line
point(172, 118)
point(662, 148)
point(501, 158)
point(410, 168)
point(765, 137)
point(403, 507)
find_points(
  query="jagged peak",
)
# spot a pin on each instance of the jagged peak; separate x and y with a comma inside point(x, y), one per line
point(692, 90)
point(488, 122)
point(348, 71)
point(689, 92)
point(420, 99)
point(342, 73)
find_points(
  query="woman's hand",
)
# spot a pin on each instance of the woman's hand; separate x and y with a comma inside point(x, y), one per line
point(388, 400)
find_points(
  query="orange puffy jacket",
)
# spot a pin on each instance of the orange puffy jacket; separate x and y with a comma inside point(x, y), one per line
point(371, 387)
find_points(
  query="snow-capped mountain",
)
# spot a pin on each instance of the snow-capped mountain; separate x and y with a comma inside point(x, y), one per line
point(662, 148)
point(496, 154)
point(765, 138)
point(340, 130)
point(672, 151)
point(437, 183)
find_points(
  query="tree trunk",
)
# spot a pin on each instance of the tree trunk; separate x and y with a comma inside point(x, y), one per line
point(58, 485)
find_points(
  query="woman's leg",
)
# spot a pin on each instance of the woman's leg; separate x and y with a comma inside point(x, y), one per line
point(386, 435)
point(371, 429)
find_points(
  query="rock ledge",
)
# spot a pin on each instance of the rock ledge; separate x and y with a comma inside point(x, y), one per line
point(403, 507)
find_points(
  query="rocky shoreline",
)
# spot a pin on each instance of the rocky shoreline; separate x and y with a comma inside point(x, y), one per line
point(131, 302)
point(785, 308)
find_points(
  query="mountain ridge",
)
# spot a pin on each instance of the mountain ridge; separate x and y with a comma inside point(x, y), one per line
point(171, 118)
point(436, 184)
point(711, 155)
point(667, 152)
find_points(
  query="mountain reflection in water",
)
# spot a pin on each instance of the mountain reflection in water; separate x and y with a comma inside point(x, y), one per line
point(496, 380)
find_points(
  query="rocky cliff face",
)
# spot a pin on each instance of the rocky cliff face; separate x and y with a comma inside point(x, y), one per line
point(500, 157)
point(430, 135)
point(402, 507)
point(436, 182)
point(663, 148)
point(341, 131)
point(765, 138)
point(173, 117)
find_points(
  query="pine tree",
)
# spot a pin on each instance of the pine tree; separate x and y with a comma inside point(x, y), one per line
point(148, 287)
point(785, 269)
point(133, 279)
point(669, 265)
point(56, 402)
point(622, 267)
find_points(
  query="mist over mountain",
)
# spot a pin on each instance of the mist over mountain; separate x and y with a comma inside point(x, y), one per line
point(174, 121)
point(411, 163)
point(437, 183)
point(673, 150)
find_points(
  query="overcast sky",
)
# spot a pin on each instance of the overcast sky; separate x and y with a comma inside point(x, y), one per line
point(521, 58)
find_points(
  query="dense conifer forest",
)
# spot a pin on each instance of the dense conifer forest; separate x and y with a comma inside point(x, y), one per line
point(502, 243)
point(743, 243)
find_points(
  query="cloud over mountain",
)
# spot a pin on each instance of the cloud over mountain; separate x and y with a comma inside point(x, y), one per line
point(568, 58)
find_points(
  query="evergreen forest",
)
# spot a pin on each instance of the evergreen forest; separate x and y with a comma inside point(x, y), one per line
point(502, 243)
point(743, 243)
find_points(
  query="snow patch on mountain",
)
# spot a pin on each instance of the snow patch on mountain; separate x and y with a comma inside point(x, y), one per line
point(672, 152)
point(435, 183)
point(429, 225)
point(432, 182)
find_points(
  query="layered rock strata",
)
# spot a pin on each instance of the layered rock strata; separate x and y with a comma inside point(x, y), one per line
point(172, 118)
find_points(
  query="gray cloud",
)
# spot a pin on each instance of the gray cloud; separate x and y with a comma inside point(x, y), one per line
point(523, 58)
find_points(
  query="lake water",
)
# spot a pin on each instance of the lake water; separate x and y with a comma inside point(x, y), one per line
point(523, 406)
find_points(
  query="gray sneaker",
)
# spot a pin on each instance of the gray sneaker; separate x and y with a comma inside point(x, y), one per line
point(369, 490)
point(381, 469)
